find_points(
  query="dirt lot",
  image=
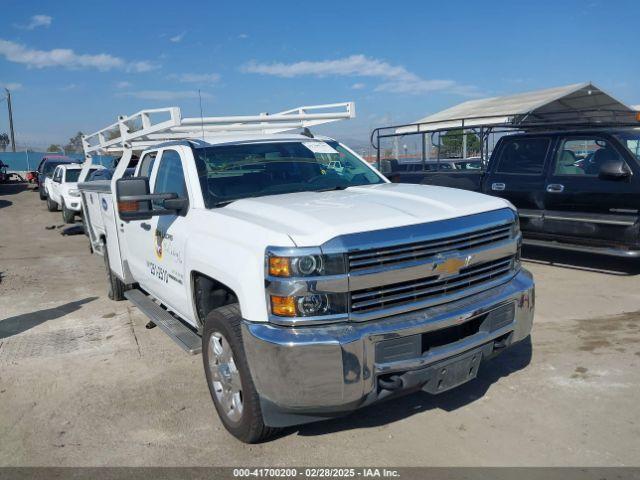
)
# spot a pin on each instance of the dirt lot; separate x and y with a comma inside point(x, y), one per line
point(82, 382)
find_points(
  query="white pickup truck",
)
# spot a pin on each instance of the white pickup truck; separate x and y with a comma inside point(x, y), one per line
point(62, 189)
point(310, 292)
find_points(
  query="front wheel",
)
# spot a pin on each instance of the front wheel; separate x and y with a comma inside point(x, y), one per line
point(51, 205)
point(42, 194)
point(228, 377)
point(67, 215)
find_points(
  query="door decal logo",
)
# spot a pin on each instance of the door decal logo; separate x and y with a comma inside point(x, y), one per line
point(157, 243)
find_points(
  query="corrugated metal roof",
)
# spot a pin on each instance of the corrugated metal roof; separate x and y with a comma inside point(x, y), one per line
point(580, 102)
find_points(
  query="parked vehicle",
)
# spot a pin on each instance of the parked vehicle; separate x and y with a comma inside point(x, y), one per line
point(574, 189)
point(45, 169)
point(310, 293)
point(31, 177)
point(107, 174)
point(62, 190)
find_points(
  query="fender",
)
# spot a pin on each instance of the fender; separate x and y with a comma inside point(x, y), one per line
point(231, 252)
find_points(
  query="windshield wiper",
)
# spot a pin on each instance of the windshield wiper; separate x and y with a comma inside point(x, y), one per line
point(223, 203)
point(331, 189)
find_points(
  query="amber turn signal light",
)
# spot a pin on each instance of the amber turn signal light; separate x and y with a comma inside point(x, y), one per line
point(128, 206)
point(283, 306)
point(279, 266)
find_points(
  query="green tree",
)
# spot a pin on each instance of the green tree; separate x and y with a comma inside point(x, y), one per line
point(54, 148)
point(451, 144)
point(4, 141)
point(75, 144)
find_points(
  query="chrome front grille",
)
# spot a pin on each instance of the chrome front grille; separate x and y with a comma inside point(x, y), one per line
point(419, 266)
point(430, 288)
point(399, 254)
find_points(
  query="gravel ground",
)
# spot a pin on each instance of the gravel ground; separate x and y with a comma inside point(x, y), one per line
point(83, 383)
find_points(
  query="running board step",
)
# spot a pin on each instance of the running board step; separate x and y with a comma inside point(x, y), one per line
point(186, 338)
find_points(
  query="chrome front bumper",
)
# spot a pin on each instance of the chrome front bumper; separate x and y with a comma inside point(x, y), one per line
point(309, 373)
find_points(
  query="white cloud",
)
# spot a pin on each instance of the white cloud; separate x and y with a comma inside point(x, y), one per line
point(395, 78)
point(67, 58)
point(141, 66)
point(36, 21)
point(165, 94)
point(177, 38)
point(10, 86)
point(195, 77)
point(243, 36)
point(123, 84)
point(358, 86)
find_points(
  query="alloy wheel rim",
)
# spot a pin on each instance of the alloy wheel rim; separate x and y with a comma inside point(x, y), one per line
point(225, 377)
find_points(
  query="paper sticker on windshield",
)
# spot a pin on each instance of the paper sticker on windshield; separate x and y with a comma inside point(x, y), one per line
point(320, 147)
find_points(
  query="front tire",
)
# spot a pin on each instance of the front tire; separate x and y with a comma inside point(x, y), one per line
point(228, 377)
point(51, 205)
point(42, 194)
point(67, 215)
point(116, 286)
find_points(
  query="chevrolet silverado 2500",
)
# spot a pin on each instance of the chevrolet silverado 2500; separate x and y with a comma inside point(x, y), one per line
point(310, 291)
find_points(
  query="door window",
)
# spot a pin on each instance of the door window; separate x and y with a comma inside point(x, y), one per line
point(170, 176)
point(584, 156)
point(523, 156)
point(147, 164)
point(57, 175)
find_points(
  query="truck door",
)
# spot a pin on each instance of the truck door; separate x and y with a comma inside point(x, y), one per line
point(56, 179)
point(517, 173)
point(583, 206)
point(166, 237)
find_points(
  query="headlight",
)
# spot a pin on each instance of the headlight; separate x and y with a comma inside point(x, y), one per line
point(305, 265)
point(310, 305)
point(74, 193)
point(305, 285)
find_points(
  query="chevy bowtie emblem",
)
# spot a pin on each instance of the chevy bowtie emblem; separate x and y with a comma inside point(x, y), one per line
point(449, 266)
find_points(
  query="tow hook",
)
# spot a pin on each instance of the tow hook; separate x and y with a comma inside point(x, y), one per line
point(393, 382)
point(500, 343)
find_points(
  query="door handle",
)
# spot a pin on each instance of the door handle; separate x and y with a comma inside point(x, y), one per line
point(145, 226)
point(498, 187)
point(555, 188)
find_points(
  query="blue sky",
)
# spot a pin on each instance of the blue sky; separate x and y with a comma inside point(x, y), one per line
point(76, 65)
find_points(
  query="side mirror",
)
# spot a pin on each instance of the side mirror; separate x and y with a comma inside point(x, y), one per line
point(614, 170)
point(135, 201)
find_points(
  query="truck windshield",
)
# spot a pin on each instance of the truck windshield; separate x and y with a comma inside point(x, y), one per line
point(49, 167)
point(233, 172)
point(631, 140)
point(73, 174)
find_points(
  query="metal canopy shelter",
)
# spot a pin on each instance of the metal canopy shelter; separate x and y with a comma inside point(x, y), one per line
point(576, 106)
point(580, 103)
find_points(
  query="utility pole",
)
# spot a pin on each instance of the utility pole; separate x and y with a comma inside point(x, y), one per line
point(13, 138)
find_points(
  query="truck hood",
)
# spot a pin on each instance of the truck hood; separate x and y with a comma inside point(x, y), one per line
point(312, 218)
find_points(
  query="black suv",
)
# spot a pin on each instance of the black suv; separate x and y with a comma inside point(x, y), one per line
point(577, 190)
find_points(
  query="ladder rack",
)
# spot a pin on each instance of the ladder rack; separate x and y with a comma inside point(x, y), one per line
point(149, 127)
